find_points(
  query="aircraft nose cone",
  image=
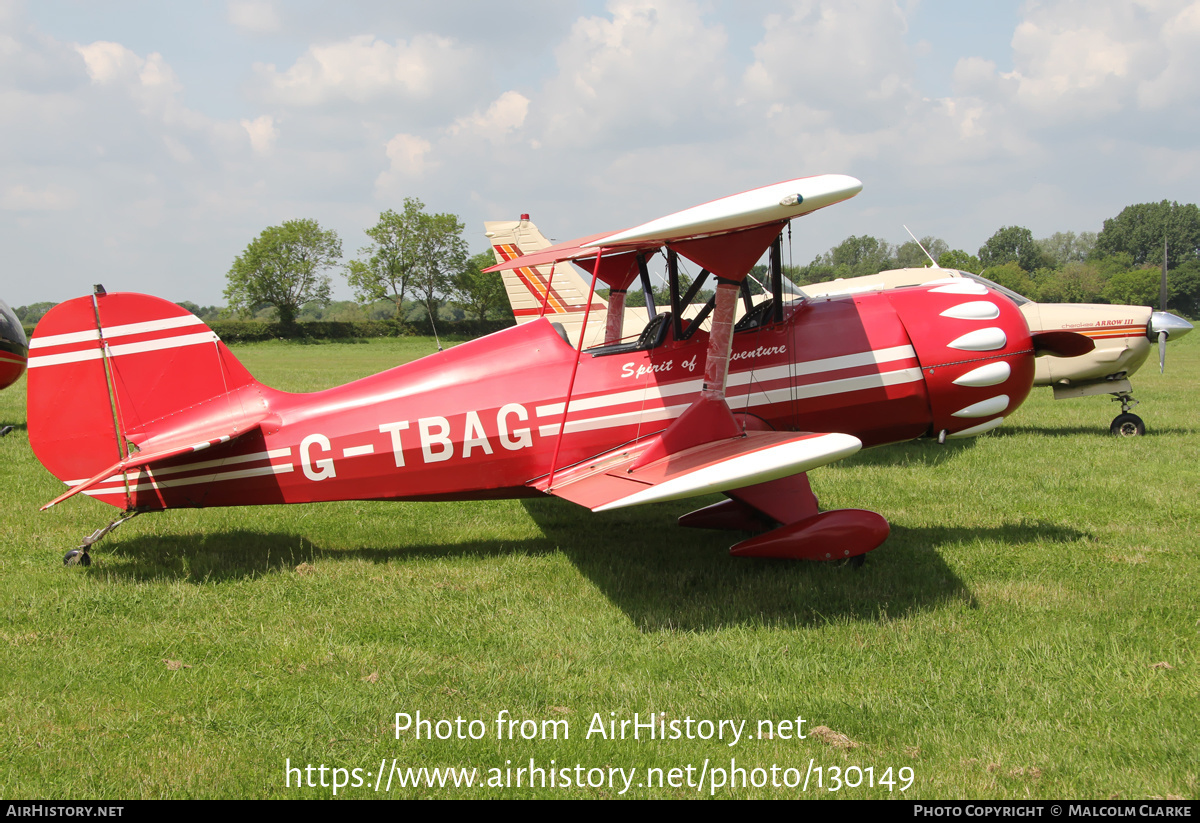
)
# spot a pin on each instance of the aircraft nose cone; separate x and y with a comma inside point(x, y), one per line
point(1175, 327)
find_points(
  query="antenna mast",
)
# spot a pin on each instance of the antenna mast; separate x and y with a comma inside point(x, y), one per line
point(922, 248)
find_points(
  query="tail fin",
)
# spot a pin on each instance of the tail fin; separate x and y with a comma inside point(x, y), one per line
point(560, 290)
point(124, 380)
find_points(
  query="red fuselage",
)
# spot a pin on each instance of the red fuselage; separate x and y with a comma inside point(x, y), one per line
point(484, 419)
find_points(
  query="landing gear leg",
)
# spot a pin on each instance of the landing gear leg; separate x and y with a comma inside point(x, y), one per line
point(1126, 424)
point(80, 556)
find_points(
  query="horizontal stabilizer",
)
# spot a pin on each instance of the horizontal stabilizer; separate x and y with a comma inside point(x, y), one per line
point(167, 446)
point(609, 482)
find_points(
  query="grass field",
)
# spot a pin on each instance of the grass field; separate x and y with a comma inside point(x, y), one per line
point(1030, 629)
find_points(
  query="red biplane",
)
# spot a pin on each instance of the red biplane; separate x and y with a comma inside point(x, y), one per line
point(135, 402)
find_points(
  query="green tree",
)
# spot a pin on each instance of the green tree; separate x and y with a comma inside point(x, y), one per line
point(392, 258)
point(818, 271)
point(959, 259)
point(1075, 282)
point(1139, 231)
point(1012, 276)
point(1066, 247)
point(1184, 285)
point(205, 313)
point(32, 313)
point(441, 255)
point(1111, 264)
point(1137, 287)
point(1012, 244)
point(476, 291)
point(910, 255)
point(856, 256)
point(284, 267)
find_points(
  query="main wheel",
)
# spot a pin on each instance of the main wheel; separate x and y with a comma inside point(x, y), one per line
point(1127, 425)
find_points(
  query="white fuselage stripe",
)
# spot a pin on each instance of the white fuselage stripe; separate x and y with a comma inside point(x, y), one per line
point(207, 464)
point(740, 378)
point(845, 361)
point(275, 468)
point(613, 420)
point(620, 398)
point(756, 398)
point(849, 384)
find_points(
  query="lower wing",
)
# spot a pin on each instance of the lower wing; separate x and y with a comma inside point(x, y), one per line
point(611, 480)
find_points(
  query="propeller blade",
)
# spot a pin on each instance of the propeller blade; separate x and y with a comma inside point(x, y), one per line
point(1162, 351)
point(1162, 286)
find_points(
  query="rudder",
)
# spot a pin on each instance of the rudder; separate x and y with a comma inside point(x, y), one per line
point(111, 375)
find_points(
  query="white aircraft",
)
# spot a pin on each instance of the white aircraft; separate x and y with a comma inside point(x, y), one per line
point(1122, 335)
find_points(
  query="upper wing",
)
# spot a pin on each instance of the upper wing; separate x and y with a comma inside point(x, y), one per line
point(763, 206)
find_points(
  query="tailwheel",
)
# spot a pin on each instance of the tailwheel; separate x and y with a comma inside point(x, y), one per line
point(855, 562)
point(77, 557)
point(1127, 425)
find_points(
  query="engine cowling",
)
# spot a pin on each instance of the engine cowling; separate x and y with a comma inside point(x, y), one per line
point(975, 351)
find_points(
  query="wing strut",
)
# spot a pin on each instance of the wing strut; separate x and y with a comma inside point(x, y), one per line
point(574, 371)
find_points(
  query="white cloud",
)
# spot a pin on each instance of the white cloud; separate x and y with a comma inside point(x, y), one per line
point(365, 69)
point(109, 62)
point(622, 115)
point(256, 16)
point(52, 197)
point(113, 64)
point(407, 153)
point(1176, 84)
point(505, 115)
point(637, 76)
point(262, 133)
point(407, 158)
point(848, 56)
point(1067, 66)
point(1076, 62)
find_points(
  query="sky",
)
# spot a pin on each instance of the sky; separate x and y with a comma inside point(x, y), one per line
point(145, 144)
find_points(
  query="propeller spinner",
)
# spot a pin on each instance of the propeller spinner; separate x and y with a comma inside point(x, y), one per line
point(1164, 326)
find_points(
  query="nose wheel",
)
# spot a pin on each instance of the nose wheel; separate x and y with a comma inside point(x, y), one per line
point(1127, 424)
